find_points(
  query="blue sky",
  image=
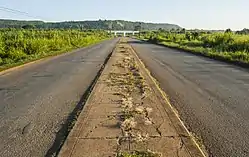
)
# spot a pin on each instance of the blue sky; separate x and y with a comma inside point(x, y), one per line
point(206, 14)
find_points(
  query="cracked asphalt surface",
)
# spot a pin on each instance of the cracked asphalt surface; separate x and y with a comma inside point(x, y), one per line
point(37, 99)
point(212, 97)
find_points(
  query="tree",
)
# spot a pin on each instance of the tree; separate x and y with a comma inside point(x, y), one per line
point(228, 30)
point(195, 35)
point(137, 28)
point(244, 31)
point(28, 27)
point(172, 30)
point(188, 36)
point(178, 30)
point(81, 27)
point(160, 29)
point(183, 31)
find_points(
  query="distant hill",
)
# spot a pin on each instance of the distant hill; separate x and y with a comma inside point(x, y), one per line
point(100, 24)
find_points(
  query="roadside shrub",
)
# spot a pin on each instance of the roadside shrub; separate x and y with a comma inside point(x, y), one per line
point(16, 54)
point(218, 44)
point(19, 44)
point(1, 61)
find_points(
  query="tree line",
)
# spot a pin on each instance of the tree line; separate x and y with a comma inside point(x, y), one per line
point(99, 24)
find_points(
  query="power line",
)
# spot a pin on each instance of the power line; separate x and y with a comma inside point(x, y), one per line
point(18, 12)
point(14, 10)
point(15, 13)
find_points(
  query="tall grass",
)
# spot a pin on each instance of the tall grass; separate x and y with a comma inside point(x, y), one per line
point(18, 45)
point(229, 46)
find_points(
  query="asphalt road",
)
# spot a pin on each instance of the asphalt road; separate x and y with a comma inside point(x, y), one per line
point(212, 97)
point(36, 100)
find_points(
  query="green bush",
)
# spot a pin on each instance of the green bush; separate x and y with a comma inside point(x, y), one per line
point(22, 44)
point(228, 45)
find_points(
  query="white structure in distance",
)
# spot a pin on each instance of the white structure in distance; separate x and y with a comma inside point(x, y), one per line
point(124, 32)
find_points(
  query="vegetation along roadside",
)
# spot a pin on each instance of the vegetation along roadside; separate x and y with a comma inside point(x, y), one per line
point(19, 46)
point(227, 46)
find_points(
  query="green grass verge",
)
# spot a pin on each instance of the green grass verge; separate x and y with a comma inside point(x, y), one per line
point(237, 58)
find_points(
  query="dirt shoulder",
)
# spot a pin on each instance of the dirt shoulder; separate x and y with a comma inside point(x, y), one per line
point(127, 115)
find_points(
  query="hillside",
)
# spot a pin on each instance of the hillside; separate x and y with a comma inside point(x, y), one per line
point(100, 24)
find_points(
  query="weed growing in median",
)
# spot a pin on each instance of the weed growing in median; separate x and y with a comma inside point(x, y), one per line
point(131, 87)
point(147, 153)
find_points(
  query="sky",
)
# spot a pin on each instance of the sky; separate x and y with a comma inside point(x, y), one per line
point(190, 14)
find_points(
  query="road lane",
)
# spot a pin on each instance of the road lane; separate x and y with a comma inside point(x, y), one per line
point(211, 97)
point(36, 100)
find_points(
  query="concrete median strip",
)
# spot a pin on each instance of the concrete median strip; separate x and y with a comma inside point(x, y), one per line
point(128, 115)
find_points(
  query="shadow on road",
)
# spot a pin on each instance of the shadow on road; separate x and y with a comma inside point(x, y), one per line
point(69, 123)
point(136, 42)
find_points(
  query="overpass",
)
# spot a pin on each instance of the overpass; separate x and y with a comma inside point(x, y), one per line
point(124, 32)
